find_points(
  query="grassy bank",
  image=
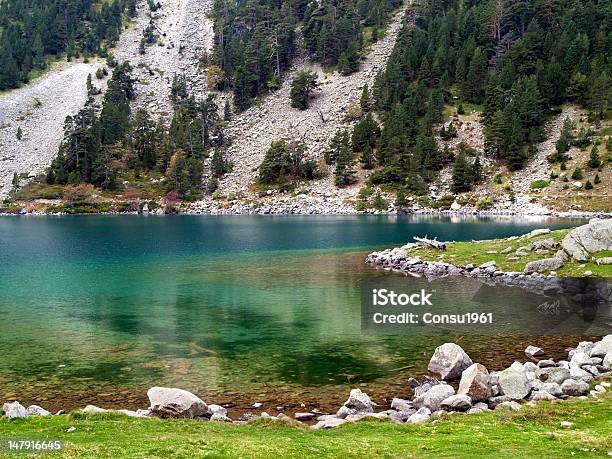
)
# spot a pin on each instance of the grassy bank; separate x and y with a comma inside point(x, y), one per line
point(478, 252)
point(530, 432)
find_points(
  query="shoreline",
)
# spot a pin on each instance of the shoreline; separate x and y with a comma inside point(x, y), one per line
point(420, 212)
point(530, 382)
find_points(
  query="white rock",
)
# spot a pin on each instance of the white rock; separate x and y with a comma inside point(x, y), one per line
point(533, 351)
point(15, 411)
point(175, 403)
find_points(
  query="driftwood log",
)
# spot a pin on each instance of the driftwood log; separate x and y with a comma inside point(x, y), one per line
point(430, 242)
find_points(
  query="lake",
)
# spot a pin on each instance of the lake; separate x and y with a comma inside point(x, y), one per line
point(239, 309)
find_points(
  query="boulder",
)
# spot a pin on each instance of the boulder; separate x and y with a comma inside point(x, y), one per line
point(533, 351)
point(601, 348)
point(217, 409)
point(169, 402)
point(514, 384)
point(574, 387)
point(35, 410)
point(400, 404)
point(580, 359)
point(538, 232)
point(420, 417)
point(543, 265)
point(15, 410)
point(433, 398)
point(586, 239)
point(458, 402)
point(553, 374)
point(580, 374)
point(358, 402)
point(448, 361)
point(607, 361)
point(546, 363)
point(475, 382)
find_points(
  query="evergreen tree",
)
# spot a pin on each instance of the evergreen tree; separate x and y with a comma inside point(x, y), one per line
point(594, 160)
point(461, 175)
point(301, 89)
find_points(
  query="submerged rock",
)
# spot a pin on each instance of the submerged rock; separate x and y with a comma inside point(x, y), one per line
point(175, 403)
point(448, 361)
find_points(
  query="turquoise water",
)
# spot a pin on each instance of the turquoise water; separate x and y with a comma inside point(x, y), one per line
point(103, 307)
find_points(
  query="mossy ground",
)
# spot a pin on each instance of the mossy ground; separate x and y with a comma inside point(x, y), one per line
point(478, 252)
point(530, 432)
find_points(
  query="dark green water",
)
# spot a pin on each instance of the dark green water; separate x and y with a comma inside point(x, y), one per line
point(239, 306)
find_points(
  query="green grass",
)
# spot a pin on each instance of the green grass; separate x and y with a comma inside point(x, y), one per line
point(530, 432)
point(475, 252)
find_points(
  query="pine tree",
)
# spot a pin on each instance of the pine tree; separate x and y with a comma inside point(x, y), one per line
point(301, 88)
point(364, 101)
point(476, 171)
point(365, 132)
point(19, 134)
point(577, 174)
point(227, 111)
point(594, 160)
point(9, 73)
point(461, 175)
point(367, 157)
point(344, 174)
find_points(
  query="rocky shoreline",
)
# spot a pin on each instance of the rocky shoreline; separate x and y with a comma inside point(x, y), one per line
point(577, 245)
point(538, 379)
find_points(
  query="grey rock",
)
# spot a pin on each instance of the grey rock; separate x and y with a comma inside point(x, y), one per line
point(607, 361)
point(217, 409)
point(538, 232)
point(329, 423)
point(586, 239)
point(459, 402)
point(553, 374)
point(475, 382)
point(601, 348)
point(514, 384)
point(546, 364)
point(432, 399)
point(400, 404)
point(494, 401)
point(580, 374)
point(580, 359)
point(420, 417)
point(304, 416)
point(358, 403)
point(512, 405)
point(538, 396)
point(543, 265)
point(448, 361)
point(35, 410)
point(220, 417)
point(574, 387)
point(167, 402)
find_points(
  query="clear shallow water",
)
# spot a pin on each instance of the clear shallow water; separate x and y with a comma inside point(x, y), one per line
point(241, 307)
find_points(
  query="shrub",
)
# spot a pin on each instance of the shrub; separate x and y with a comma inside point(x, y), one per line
point(215, 77)
point(539, 184)
point(78, 193)
point(588, 185)
point(597, 179)
point(301, 89)
point(484, 203)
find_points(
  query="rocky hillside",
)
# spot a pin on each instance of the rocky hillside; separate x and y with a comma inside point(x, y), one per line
point(39, 109)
